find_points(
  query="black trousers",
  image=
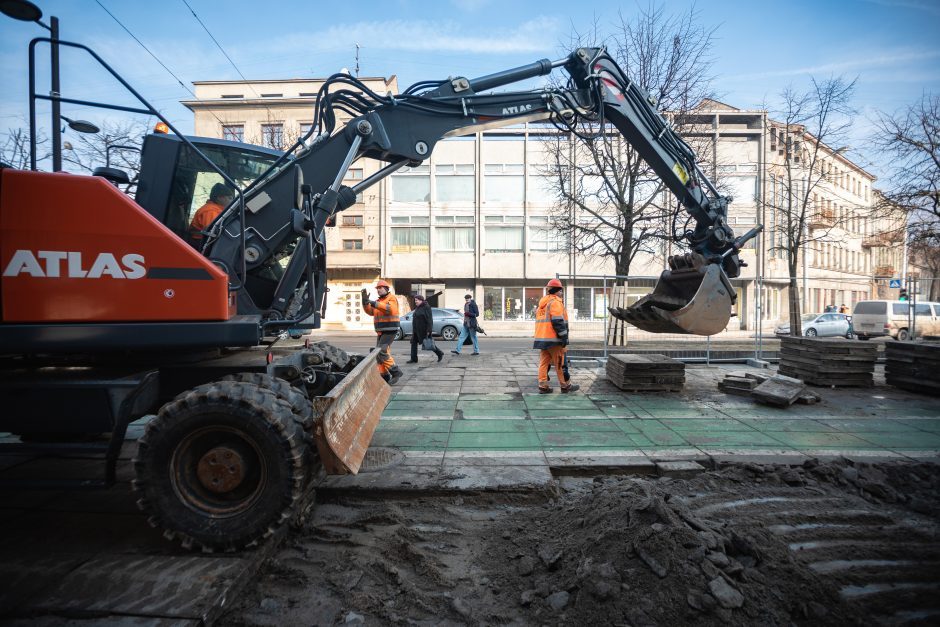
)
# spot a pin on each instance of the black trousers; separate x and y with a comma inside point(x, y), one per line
point(414, 348)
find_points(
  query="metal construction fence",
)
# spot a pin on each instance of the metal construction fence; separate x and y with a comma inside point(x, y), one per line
point(761, 305)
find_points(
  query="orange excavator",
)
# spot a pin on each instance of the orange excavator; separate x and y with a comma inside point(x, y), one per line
point(109, 315)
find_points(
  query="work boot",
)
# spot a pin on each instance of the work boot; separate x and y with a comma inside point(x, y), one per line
point(387, 378)
point(544, 390)
point(440, 355)
point(412, 361)
point(574, 387)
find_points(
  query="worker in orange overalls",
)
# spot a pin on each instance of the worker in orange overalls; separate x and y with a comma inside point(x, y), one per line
point(219, 198)
point(551, 336)
point(384, 311)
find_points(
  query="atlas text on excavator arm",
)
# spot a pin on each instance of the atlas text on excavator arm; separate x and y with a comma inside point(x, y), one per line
point(299, 195)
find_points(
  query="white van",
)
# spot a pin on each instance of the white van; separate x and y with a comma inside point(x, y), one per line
point(878, 318)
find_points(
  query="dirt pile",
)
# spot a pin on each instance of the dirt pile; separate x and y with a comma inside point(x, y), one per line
point(627, 550)
point(835, 543)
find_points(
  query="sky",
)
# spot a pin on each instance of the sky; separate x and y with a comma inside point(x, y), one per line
point(890, 46)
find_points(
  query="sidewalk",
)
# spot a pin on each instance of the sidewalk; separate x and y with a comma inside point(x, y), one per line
point(489, 407)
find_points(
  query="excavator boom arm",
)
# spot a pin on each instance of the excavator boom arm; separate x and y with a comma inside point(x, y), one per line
point(404, 129)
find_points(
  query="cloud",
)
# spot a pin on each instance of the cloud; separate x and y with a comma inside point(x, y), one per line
point(425, 36)
point(928, 6)
point(861, 63)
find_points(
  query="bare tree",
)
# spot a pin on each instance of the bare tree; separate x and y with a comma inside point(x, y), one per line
point(118, 143)
point(608, 203)
point(810, 124)
point(14, 149)
point(911, 139)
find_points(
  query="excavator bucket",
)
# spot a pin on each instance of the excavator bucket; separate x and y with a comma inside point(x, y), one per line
point(348, 415)
point(695, 299)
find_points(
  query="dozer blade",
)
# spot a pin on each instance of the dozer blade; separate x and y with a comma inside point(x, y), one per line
point(692, 300)
point(348, 415)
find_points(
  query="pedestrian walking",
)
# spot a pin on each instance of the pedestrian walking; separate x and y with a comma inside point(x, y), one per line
point(470, 314)
point(844, 309)
point(384, 311)
point(422, 326)
point(551, 338)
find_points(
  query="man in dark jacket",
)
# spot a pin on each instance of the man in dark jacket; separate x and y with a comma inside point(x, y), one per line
point(470, 314)
point(422, 326)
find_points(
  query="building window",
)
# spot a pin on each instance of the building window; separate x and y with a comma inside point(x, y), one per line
point(454, 182)
point(541, 189)
point(352, 220)
point(352, 244)
point(272, 95)
point(305, 128)
point(504, 182)
point(233, 95)
point(543, 237)
point(354, 173)
point(233, 132)
point(412, 184)
point(272, 135)
point(502, 303)
point(410, 234)
point(454, 233)
point(502, 236)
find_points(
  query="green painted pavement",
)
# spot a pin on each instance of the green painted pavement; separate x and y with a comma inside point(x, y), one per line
point(502, 412)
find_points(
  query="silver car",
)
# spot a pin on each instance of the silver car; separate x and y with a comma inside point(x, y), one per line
point(821, 325)
point(447, 323)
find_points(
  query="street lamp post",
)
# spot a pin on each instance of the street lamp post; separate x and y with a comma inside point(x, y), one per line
point(28, 12)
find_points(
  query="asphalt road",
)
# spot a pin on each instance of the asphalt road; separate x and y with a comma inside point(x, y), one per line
point(361, 343)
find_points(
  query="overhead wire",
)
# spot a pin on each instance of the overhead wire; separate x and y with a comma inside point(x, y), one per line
point(224, 53)
point(155, 58)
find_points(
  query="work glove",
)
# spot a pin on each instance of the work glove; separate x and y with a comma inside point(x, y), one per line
point(365, 295)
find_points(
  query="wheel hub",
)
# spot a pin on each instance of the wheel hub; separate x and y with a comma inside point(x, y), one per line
point(221, 470)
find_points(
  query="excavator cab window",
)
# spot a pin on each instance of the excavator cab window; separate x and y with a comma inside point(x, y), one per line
point(175, 181)
point(193, 179)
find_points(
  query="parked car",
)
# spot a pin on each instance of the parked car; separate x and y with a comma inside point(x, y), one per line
point(879, 318)
point(447, 323)
point(821, 325)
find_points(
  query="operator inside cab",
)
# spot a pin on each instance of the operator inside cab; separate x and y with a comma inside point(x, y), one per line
point(219, 198)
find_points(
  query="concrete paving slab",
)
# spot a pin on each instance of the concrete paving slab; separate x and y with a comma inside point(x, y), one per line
point(450, 478)
point(679, 469)
point(494, 458)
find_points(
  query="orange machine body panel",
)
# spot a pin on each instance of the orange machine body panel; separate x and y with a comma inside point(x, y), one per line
point(75, 249)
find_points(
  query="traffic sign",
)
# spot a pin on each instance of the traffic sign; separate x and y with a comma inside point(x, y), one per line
point(894, 283)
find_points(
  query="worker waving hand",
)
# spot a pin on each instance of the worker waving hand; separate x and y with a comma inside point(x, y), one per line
point(551, 336)
point(384, 311)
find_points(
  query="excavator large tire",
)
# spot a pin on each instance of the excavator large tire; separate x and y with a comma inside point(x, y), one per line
point(295, 397)
point(222, 467)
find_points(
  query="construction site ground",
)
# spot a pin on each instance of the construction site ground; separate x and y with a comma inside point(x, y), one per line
point(482, 501)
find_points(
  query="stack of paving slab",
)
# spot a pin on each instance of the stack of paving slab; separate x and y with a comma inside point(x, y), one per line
point(778, 390)
point(829, 362)
point(913, 366)
point(646, 373)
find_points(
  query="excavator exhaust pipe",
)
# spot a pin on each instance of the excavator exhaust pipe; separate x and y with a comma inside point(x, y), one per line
point(694, 297)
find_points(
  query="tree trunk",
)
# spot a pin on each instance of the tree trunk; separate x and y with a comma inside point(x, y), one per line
point(796, 327)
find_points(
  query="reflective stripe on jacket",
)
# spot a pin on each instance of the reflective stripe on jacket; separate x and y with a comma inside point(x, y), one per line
point(385, 313)
point(550, 317)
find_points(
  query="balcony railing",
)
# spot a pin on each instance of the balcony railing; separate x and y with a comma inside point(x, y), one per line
point(884, 271)
point(822, 220)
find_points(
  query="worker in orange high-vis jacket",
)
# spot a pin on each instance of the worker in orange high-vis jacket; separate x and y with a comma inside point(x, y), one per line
point(384, 312)
point(551, 336)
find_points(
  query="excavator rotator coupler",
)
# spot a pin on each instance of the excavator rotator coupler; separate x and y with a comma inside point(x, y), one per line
point(693, 297)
